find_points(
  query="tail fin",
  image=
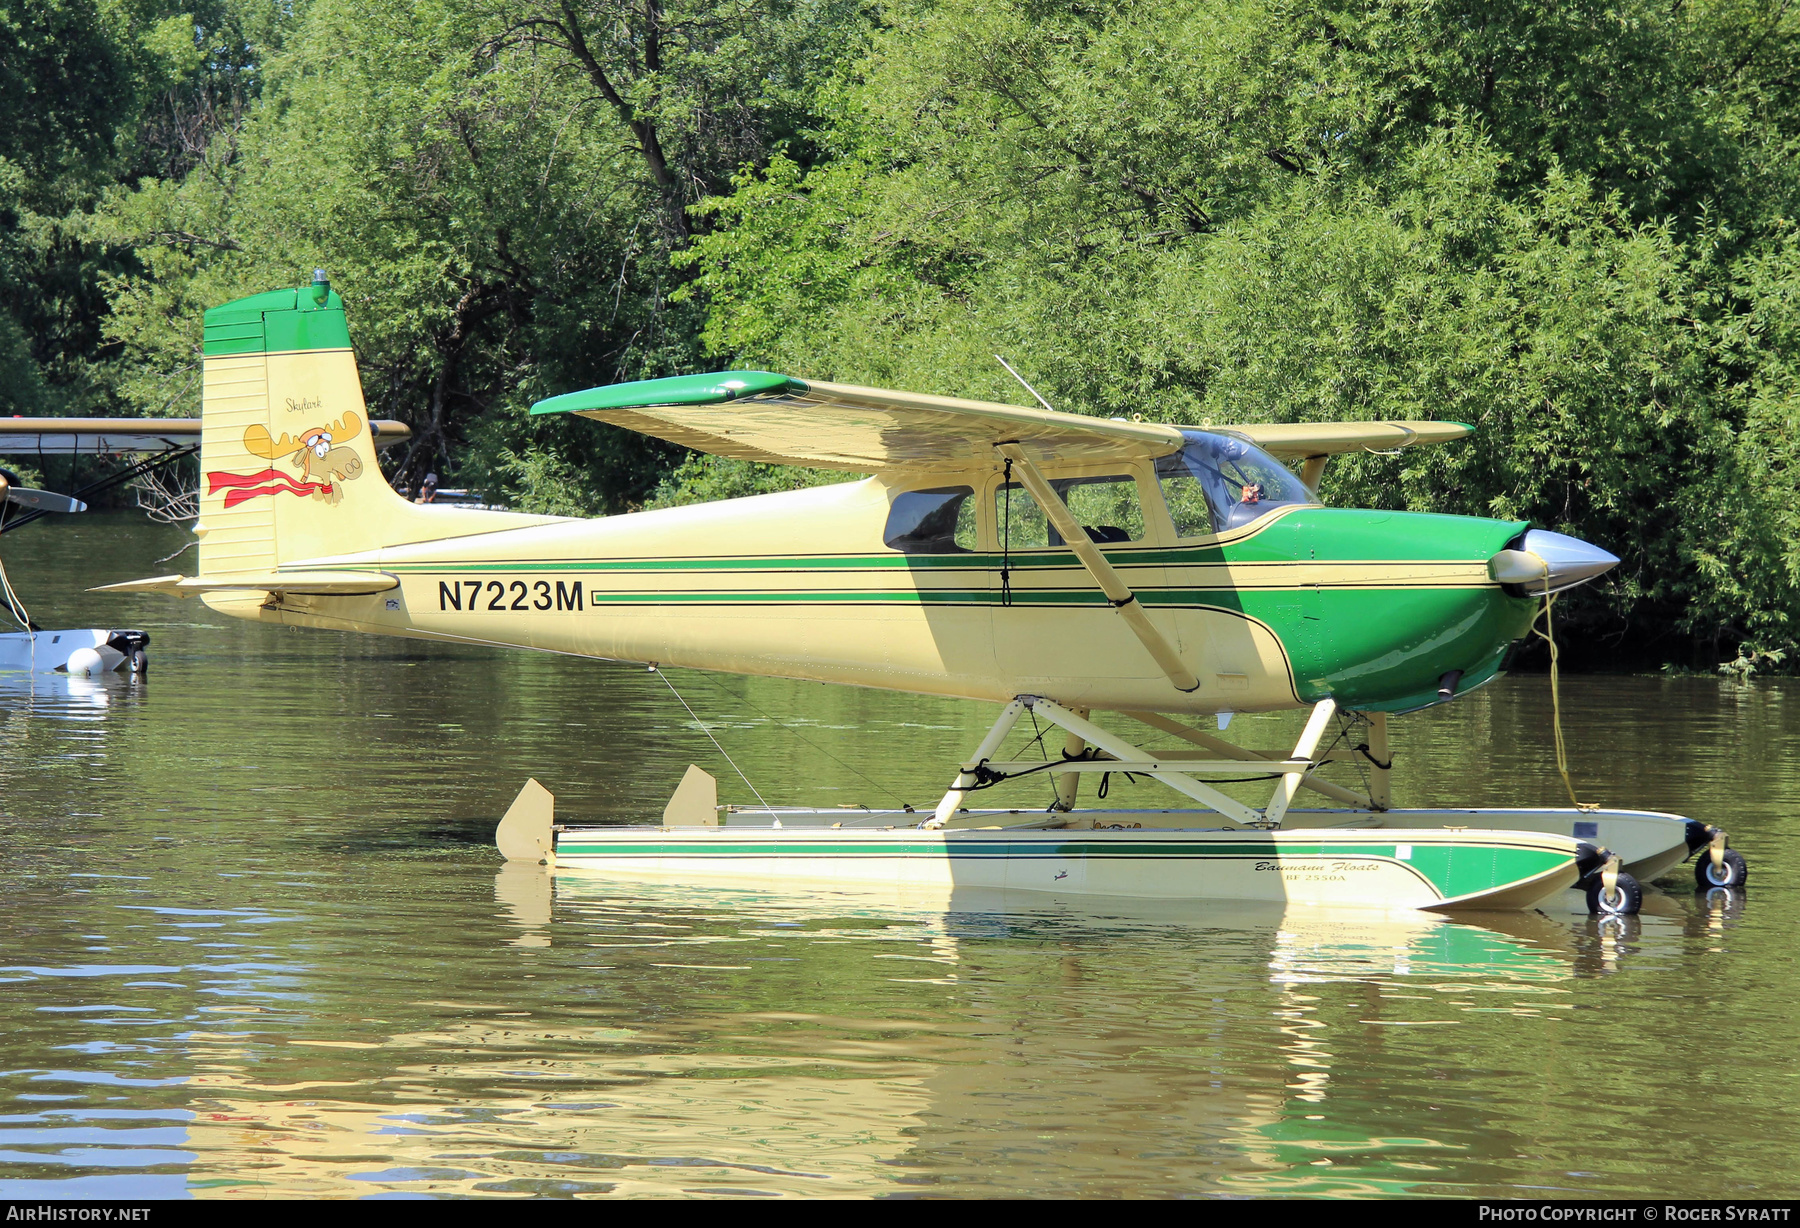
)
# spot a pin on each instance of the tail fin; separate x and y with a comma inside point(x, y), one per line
point(287, 451)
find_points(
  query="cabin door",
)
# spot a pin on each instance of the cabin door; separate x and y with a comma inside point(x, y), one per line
point(1054, 630)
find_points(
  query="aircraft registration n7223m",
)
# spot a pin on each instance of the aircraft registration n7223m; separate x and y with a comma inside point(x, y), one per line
point(1038, 560)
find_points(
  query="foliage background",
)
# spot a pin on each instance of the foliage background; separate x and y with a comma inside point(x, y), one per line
point(1569, 223)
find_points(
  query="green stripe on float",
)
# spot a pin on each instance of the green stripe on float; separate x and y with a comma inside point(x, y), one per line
point(1452, 870)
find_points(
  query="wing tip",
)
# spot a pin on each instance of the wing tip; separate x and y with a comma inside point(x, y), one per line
point(711, 388)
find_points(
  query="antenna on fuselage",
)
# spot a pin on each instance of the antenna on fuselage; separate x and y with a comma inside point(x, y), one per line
point(1028, 388)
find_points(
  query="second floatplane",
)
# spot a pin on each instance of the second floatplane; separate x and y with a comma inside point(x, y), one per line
point(1041, 561)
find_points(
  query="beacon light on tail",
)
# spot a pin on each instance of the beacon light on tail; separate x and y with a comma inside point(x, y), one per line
point(1043, 562)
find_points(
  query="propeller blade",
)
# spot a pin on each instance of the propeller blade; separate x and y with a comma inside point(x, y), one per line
point(43, 500)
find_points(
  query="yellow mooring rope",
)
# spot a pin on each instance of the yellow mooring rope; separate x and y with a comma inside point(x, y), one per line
point(1548, 635)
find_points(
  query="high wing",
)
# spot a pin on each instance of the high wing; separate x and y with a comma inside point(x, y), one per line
point(761, 416)
point(88, 436)
point(764, 416)
point(1310, 440)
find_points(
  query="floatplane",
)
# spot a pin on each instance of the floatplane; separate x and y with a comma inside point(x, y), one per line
point(1045, 562)
point(146, 446)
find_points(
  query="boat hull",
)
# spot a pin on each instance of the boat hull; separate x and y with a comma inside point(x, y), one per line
point(45, 652)
point(1417, 869)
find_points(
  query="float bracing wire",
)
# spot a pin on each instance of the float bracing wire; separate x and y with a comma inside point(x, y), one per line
point(709, 733)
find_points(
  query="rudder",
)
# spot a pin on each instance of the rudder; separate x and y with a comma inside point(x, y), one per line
point(287, 452)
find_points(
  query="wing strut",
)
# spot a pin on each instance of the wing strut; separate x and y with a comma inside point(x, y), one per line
point(1123, 599)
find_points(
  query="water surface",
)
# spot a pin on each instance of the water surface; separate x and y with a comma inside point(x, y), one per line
point(253, 940)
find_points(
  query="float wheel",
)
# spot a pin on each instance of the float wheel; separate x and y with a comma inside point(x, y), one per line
point(140, 661)
point(1626, 898)
point(1732, 874)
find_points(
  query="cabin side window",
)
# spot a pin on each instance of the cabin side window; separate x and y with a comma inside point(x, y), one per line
point(1219, 482)
point(1107, 508)
point(1188, 508)
point(940, 521)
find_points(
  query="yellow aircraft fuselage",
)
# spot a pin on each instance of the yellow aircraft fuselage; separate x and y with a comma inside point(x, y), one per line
point(1296, 604)
point(700, 586)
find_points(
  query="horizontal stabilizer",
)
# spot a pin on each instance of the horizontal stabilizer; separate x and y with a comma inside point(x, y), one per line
point(300, 583)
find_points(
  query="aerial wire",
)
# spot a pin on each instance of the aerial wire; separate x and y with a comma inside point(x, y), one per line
point(1006, 494)
point(745, 700)
point(709, 733)
point(14, 606)
point(1028, 388)
point(1006, 534)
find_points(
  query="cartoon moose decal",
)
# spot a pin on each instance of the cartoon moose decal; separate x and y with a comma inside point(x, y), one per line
point(318, 453)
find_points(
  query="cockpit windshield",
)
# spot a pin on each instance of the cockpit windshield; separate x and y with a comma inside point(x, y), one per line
point(1219, 482)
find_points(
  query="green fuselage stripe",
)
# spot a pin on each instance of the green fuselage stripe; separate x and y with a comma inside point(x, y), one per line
point(1371, 608)
point(1057, 560)
point(1370, 635)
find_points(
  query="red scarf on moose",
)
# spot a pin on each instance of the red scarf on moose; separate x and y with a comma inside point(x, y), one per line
point(268, 482)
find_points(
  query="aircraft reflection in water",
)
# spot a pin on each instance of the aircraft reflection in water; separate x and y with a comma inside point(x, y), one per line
point(75, 707)
point(1414, 971)
point(709, 1041)
point(726, 1090)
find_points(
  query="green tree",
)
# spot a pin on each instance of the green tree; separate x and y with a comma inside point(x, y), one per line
point(496, 199)
point(1567, 226)
point(91, 93)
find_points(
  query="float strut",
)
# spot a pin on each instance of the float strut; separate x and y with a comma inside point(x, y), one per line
point(1068, 783)
point(1381, 762)
point(1301, 761)
point(966, 780)
point(1116, 746)
point(1187, 733)
point(1103, 740)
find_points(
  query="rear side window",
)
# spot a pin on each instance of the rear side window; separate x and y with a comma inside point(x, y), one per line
point(1106, 508)
point(940, 521)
